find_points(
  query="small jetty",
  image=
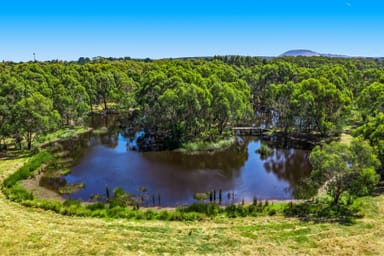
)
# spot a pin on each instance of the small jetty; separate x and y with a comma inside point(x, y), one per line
point(250, 131)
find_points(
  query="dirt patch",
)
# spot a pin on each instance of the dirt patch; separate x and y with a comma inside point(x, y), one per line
point(32, 185)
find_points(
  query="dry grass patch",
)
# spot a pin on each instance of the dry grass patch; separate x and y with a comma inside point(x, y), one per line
point(345, 138)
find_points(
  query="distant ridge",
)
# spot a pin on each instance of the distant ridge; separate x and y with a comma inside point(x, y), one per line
point(309, 53)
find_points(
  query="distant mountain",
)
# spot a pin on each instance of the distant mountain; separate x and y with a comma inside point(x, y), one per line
point(300, 52)
point(309, 53)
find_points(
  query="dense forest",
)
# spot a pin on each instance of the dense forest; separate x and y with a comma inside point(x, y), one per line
point(197, 98)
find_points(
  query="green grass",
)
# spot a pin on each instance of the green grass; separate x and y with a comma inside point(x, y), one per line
point(64, 133)
point(33, 231)
point(69, 189)
point(101, 130)
point(264, 150)
point(207, 146)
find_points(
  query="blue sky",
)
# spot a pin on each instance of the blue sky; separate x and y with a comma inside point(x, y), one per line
point(156, 29)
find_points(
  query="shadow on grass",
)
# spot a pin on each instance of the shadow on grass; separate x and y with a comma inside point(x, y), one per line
point(15, 154)
point(321, 212)
point(379, 190)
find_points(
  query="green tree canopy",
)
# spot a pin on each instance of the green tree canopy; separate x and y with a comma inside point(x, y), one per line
point(343, 169)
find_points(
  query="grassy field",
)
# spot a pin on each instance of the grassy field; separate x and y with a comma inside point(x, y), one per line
point(29, 231)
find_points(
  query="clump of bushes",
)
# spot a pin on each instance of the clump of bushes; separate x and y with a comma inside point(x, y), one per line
point(201, 196)
point(319, 210)
point(264, 151)
point(208, 145)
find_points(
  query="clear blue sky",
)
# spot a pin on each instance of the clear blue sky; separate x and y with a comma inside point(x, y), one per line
point(143, 28)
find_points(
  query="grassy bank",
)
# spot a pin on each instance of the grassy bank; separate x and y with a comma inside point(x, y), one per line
point(208, 146)
point(30, 231)
point(62, 134)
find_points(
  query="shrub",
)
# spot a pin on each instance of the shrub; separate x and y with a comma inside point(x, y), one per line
point(201, 196)
point(96, 206)
point(264, 150)
point(149, 215)
point(71, 202)
point(19, 194)
point(116, 212)
point(230, 210)
point(163, 215)
point(209, 209)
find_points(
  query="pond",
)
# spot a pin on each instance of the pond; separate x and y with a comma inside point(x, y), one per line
point(239, 172)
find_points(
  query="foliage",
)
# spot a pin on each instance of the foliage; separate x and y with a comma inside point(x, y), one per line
point(319, 105)
point(322, 211)
point(192, 99)
point(343, 170)
point(207, 146)
point(373, 130)
point(34, 114)
point(201, 196)
point(371, 99)
point(264, 150)
point(64, 133)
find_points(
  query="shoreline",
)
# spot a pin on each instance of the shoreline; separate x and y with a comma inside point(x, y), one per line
point(75, 134)
point(32, 184)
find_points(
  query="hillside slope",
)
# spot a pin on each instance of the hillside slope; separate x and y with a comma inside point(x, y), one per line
point(28, 231)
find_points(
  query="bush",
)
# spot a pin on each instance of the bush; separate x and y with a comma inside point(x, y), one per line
point(19, 194)
point(163, 215)
point(100, 213)
point(149, 215)
point(50, 205)
point(231, 211)
point(264, 150)
point(116, 212)
point(71, 202)
point(200, 196)
point(209, 209)
point(96, 206)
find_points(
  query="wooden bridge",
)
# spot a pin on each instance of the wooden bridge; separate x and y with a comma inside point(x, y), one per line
point(250, 131)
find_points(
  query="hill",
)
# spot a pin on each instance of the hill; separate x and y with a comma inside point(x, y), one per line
point(309, 53)
point(300, 52)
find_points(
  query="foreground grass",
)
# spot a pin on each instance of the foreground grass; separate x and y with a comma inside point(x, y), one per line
point(29, 231)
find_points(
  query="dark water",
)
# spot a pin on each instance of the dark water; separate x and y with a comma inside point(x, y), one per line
point(177, 176)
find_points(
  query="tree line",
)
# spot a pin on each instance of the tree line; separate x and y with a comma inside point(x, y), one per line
point(197, 98)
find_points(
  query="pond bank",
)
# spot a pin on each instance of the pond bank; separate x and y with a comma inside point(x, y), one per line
point(33, 186)
point(64, 134)
point(199, 166)
point(38, 232)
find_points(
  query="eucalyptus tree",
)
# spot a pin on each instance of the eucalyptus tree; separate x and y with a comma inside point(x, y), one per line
point(373, 130)
point(320, 106)
point(280, 96)
point(344, 169)
point(371, 100)
point(34, 115)
point(105, 85)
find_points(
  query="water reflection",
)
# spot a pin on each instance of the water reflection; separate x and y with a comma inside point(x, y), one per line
point(106, 159)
